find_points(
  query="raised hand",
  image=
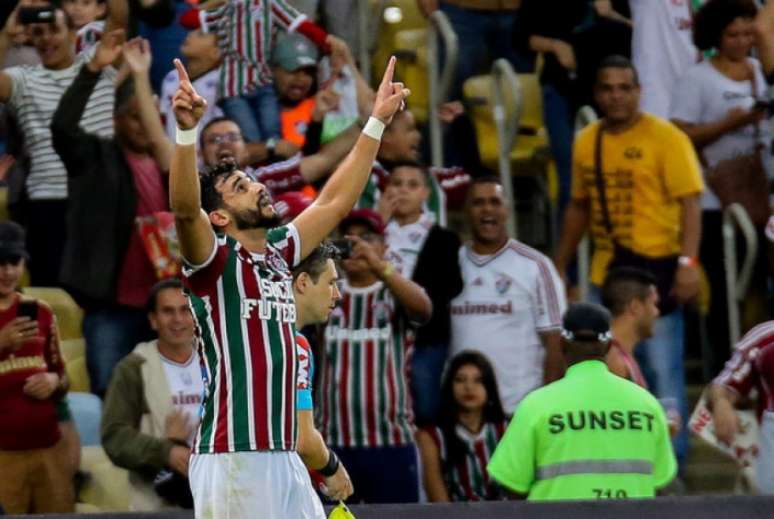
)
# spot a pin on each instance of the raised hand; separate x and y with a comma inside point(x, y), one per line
point(390, 97)
point(108, 50)
point(137, 55)
point(189, 107)
point(324, 101)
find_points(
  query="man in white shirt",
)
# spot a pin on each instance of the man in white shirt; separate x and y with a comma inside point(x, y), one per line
point(662, 48)
point(511, 306)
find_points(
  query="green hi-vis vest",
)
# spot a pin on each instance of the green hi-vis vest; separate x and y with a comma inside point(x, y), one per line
point(590, 435)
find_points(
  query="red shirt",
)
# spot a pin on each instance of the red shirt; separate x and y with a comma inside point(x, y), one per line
point(26, 422)
point(752, 366)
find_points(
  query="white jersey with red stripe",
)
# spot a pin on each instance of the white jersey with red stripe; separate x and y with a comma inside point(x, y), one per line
point(509, 298)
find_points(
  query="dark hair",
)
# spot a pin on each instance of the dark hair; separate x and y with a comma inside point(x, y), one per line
point(449, 409)
point(413, 164)
point(713, 17)
point(164, 284)
point(317, 261)
point(619, 62)
point(124, 94)
point(212, 122)
point(624, 284)
point(211, 197)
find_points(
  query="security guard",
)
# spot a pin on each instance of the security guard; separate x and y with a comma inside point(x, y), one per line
point(590, 435)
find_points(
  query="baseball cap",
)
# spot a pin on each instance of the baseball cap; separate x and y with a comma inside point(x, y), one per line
point(294, 51)
point(291, 204)
point(367, 217)
point(12, 241)
point(586, 322)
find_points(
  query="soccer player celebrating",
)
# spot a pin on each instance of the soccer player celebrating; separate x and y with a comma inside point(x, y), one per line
point(238, 274)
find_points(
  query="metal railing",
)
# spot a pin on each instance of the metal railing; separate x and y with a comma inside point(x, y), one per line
point(507, 126)
point(737, 281)
point(439, 83)
point(585, 116)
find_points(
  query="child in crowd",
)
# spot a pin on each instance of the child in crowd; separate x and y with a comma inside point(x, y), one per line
point(88, 16)
point(471, 422)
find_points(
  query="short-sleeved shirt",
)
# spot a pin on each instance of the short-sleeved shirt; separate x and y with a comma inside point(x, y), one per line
point(705, 95)
point(29, 423)
point(468, 480)
point(280, 177)
point(647, 169)
point(364, 398)
point(245, 313)
point(590, 435)
point(405, 243)
point(305, 374)
point(35, 95)
point(752, 366)
point(508, 299)
point(205, 85)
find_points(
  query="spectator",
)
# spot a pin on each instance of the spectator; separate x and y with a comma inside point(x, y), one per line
point(750, 368)
point(316, 293)
point(365, 414)
point(36, 476)
point(426, 253)
point(401, 143)
point(645, 215)
point(87, 17)
point(470, 425)
point(245, 91)
point(512, 302)
point(105, 264)
point(33, 93)
point(591, 435)
point(307, 118)
point(202, 57)
point(221, 140)
point(151, 410)
point(19, 49)
point(484, 28)
point(631, 296)
point(663, 26)
point(724, 114)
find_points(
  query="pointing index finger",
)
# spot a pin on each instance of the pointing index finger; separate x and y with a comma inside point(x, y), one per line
point(389, 72)
point(182, 73)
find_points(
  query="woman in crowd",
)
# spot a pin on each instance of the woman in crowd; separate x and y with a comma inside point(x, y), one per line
point(718, 104)
point(471, 422)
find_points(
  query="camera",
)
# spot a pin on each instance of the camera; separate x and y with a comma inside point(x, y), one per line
point(30, 15)
point(344, 246)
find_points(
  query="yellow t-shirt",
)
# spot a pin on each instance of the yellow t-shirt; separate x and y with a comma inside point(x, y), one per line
point(647, 169)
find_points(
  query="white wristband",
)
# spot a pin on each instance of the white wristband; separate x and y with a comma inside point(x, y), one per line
point(186, 137)
point(374, 128)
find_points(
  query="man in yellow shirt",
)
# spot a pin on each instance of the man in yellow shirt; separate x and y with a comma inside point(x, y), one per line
point(646, 215)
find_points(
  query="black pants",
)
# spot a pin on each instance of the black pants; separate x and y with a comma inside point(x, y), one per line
point(46, 235)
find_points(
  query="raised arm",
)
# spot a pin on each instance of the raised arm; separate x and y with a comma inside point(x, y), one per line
point(196, 236)
point(137, 56)
point(11, 30)
point(319, 165)
point(117, 15)
point(342, 190)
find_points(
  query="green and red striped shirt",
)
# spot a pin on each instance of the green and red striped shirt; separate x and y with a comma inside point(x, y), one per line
point(246, 31)
point(365, 399)
point(468, 479)
point(245, 314)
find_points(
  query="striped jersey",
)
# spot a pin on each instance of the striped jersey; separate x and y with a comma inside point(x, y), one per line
point(89, 35)
point(364, 399)
point(468, 480)
point(447, 190)
point(35, 95)
point(246, 31)
point(245, 313)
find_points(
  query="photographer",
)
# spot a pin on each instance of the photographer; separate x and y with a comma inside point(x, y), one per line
point(151, 407)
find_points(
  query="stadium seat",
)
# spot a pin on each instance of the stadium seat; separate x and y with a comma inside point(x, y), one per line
point(396, 16)
point(107, 486)
point(86, 410)
point(411, 50)
point(74, 355)
point(69, 315)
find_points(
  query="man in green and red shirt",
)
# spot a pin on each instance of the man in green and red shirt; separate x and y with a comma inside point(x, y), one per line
point(365, 410)
point(240, 288)
point(34, 473)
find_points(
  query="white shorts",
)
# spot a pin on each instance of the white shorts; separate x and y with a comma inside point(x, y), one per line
point(266, 484)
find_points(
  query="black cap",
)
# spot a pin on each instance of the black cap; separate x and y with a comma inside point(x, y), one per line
point(12, 242)
point(586, 322)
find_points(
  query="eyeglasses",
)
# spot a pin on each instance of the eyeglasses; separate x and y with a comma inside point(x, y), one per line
point(219, 138)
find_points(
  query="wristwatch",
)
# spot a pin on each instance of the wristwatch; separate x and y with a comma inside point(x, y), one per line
point(688, 261)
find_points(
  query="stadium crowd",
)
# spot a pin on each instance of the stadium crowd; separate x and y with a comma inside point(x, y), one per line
point(433, 325)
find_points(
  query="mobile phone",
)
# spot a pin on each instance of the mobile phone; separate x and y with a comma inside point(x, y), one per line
point(28, 15)
point(27, 309)
point(344, 246)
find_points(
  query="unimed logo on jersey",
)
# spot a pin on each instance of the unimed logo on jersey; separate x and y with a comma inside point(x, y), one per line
point(468, 308)
point(276, 304)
